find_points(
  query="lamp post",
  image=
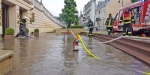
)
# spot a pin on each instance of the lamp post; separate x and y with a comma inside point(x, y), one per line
point(122, 2)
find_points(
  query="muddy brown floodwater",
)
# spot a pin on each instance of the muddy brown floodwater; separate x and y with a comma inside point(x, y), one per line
point(52, 55)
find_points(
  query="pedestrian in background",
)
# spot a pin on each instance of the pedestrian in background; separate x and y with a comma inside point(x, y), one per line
point(91, 26)
point(109, 23)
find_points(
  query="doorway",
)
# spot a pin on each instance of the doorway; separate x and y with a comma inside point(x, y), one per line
point(5, 20)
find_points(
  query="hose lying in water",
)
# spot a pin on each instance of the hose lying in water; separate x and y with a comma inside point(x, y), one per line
point(114, 39)
point(86, 47)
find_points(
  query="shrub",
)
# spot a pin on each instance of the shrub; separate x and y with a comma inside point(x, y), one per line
point(36, 30)
point(9, 31)
point(27, 30)
point(54, 31)
point(77, 26)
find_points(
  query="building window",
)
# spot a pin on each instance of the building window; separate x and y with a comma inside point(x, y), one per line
point(99, 12)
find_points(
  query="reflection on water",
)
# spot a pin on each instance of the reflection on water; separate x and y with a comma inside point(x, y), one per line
point(90, 43)
point(137, 67)
point(23, 49)
point(115, 61)
point(8, 44)
point(70, 57)
point(108, 50)
point(52, 55)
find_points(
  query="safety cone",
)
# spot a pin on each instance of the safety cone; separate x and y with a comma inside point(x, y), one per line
point(77, 38)
point(68, 32)
point(143, 35)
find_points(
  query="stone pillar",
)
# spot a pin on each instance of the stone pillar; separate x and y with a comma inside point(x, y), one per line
point(28, 20)
point(14, 20)
point(0, 16)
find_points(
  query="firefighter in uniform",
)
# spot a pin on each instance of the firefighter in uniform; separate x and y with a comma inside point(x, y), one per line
point(90, 25)
point(22, 29)
point(127, 19)
point(109, 23)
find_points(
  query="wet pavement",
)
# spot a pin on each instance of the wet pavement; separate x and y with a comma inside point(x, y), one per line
point(53, 55)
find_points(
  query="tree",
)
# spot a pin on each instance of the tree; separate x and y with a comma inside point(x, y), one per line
point(134, 1)
point(68, 13)
point(59, 18)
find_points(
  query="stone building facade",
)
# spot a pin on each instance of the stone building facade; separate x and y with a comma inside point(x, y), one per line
point(12, 11)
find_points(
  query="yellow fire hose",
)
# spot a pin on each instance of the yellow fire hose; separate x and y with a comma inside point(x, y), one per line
point(146, 73)
point(86, 47)
point(87, 50)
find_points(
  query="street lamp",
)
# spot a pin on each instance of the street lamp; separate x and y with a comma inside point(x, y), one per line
point(122, 2)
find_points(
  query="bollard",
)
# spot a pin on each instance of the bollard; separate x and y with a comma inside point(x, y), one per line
point(75, 45)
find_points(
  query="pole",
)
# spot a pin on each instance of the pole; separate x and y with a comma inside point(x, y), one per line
point(122, 3)
point(41, 2)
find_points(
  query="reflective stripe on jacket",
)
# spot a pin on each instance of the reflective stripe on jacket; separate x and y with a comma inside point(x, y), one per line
point(109, 22)
point(127, 20)
point(90, 24)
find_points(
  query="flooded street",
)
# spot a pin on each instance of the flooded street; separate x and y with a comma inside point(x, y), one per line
point(53, 55)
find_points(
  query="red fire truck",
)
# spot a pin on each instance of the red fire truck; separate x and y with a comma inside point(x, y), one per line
point(141, 12)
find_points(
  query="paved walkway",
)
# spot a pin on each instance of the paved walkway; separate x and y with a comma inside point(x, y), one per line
point(52, 55)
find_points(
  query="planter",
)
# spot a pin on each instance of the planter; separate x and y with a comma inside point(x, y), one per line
point(9, 37)
point(36, 34)
point(74, 30)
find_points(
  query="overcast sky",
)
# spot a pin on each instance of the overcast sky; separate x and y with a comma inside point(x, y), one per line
point(55, 6)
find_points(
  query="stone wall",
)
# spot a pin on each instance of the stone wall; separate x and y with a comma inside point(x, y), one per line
point(38, 16)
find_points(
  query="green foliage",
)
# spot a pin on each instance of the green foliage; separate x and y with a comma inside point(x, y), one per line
point(54, 31)
point(9, 31)
point(77, 26)
point(134, 1)
point(63, 28)
point(27, 30)
point(68, 13)
point(36, 30)
point(59, 18)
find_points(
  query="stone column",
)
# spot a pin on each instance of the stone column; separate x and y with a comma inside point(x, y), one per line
point(0, 16)
point(14, 20)
point(28, 20)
